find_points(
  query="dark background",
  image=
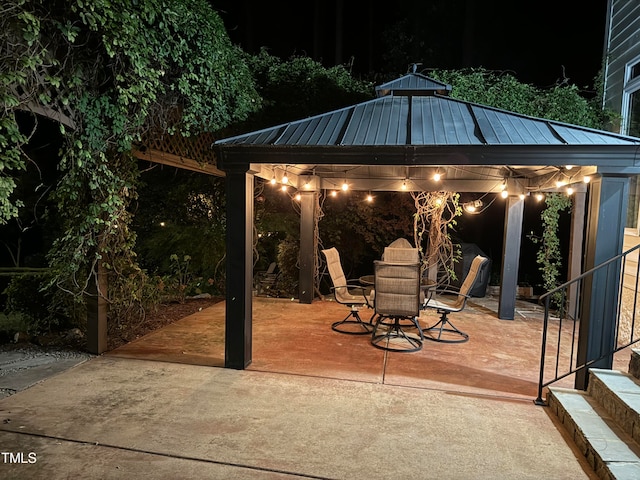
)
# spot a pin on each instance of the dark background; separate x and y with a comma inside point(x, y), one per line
point(540, 42)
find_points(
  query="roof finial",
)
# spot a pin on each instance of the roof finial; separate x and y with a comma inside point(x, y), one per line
point(414, 67)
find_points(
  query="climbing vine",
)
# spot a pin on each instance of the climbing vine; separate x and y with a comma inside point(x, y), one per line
point(110, 71)
point(549, 256)
point(435, 216)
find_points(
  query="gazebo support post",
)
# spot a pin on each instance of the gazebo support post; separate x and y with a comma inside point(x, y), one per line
point(608, 201)
point(239, 265)
point(510, 257)
point(576, 239)
point(307, 247)
point(97, 310)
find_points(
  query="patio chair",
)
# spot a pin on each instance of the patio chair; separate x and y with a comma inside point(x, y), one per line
point(265, 281)
point(349, 293)
point(444, 308)
point(397, 300)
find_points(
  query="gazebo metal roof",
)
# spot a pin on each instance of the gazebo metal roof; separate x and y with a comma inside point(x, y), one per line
point(413, 128)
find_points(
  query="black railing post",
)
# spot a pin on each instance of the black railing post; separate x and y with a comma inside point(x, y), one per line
point(538, 400)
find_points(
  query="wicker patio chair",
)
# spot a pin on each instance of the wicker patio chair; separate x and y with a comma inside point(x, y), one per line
point(397, 300)
point(349, 293)
point(438, 302)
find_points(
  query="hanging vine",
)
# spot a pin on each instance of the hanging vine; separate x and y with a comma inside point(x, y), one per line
point(549, 256)
point(435, 216)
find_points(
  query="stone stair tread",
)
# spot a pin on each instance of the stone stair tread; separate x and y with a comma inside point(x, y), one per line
point(612, 445)
point(622, 384)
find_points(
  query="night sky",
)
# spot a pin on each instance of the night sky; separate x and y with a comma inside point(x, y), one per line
point(536, 41)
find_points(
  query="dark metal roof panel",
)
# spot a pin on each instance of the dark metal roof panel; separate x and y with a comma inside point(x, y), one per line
point(425, 120)
point(380, 122)
point(438, 121)
point(577, 136)
point(505, 128)
point(413, 82)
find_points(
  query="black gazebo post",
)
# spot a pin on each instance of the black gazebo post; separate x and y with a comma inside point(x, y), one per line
point(608, 199)
point(239, 250)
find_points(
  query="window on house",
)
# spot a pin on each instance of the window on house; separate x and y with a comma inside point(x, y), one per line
point(632, 127)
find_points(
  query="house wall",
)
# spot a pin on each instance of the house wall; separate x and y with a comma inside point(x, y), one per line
point(621, 50)
point(622, 46)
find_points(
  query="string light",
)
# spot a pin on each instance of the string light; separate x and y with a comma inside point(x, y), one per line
point(298, 197)
point(369, 197)
point(404, 185)
point(283, 188)
point(569, 191)
point(345, 186)
point(285, 179)
point(586, 179)
point(273, 180)
point(437, 177)
point(521, 196)
point(504, 194)
point(539, 197)
point(334, 193)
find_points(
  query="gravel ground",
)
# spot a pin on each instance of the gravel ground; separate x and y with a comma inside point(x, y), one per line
point(23, 365)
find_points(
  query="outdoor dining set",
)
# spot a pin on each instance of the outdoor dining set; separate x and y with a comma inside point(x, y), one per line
point(397, 293)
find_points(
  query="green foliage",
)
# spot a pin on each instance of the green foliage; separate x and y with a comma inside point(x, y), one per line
point(549, 256)
point(563, 103)
point(118, 69)
point(288, 251)
point(40, 309)
point(300, 87)
point(363, 229)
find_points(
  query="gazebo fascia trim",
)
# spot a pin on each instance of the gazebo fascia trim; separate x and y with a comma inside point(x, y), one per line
point(606, 156)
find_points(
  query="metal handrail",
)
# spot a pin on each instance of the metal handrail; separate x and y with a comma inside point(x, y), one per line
point(560, 296)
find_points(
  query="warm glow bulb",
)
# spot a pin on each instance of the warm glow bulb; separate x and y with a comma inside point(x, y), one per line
point(404, 185)
point(569, 167)
point(586, 179)
point(569, 191)
point(298, 197)
point(283, 188)
point(521, 196)
point(560, 183)
point(345, 186)
point(504, 194)
point(438, 201)
point(334, 193)
point(369, 198)
point(273, 181)
point(162, 224)
point(471, 208)
point(285, 179)
point(539, 197)
point(437, 177)
point(307, 186)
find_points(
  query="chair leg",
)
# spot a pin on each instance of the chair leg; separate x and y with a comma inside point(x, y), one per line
point(358, 327)
point(395, 331)
point(456, 335)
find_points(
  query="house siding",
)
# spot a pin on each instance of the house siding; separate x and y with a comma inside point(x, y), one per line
point(622, 45)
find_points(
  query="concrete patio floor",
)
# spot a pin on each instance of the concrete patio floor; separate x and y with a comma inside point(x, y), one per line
point(313, 404)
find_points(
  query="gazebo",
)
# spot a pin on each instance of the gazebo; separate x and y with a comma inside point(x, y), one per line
point(400, 140)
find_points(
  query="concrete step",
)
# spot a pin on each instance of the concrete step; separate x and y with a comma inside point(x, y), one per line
point(634, 363)
point(610, 451)
point(619, 394)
